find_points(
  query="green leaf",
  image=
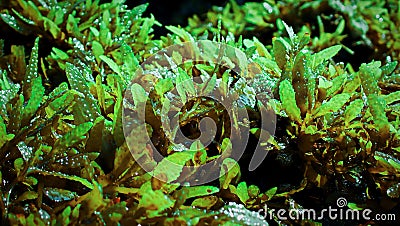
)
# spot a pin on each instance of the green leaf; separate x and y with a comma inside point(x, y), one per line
point(60, 54)
point(4, 137)
point(311, 129)
point(94, 200)
point(95, 32)
point(230, 173)
point(75, 211)
point(114, 66)
point(369, 74)
point(352, 84)
point(74, 136)
point(72, 26)
point(271, 192)
point(139, 95)
point(290, 31)
point(31, 70)
point(325, 54)
point(354, 206)
point(200, 191)
point(333, 105)
point(28, 195)
point(184, 85)
point(52, 27)
point(388, 161)
point(18, 164)
point(59, 195)
point(155, 201)
point(60, 103)
point(117, 128)
point(299, 81)
point(210, 85)
point(242, 192)
point(337, 83)
point(181, 33)
point(35, 99)
point(392, 97)
point(130, 62)
point(377, 105)
point(100, 92)
point(97, 49)
point(388, 68)
point(205, 202)
point(163, 86)
point(25, 151)
point(17, 25)
point(262, 51)
point(64, 216)
point(81, 180)
point(253, 191)
point(86, 108)
point(172, 165)
point(353, 110)
point(200, 157)
point(281, 49)
point(288, 99)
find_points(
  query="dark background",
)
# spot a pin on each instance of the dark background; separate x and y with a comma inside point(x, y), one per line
point(176, 12)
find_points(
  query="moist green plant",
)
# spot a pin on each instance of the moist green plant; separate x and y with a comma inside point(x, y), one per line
point(63, 154)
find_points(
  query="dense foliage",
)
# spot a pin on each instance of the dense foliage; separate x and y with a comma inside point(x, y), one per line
point(65, 66)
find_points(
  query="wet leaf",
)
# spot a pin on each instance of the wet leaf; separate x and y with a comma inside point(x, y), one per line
point(377, 107)
point(74, 136)
point(172, 165)
point(59, 195)
point(87, 110)
point(81, 180)
point(155, 201)
point(32, 71)
point(333, 105)
point(353, 110)
point(281, 48)
point(388, 161)
point(34, 100)
point(184, 85)
point(394, 191)
point(388, 68)
point(288, 99)
point(325, 54)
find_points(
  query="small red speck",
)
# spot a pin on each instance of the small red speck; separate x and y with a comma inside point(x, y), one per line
point(117, 200)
